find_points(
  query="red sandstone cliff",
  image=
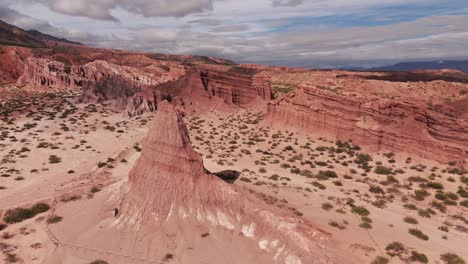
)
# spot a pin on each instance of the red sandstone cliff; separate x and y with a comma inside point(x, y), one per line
point(379, 124)
point(169, 183)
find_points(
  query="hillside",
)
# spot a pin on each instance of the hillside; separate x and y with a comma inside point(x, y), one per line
point(427, 65)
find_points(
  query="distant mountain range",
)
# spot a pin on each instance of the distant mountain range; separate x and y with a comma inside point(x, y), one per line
point(11, 35)
point(426, 65)
point(46, 37)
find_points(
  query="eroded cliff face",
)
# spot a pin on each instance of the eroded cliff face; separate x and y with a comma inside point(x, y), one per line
point(169, 184)
point(11, 63)
point(208, 90)
point(139, 88)
point(378, 124)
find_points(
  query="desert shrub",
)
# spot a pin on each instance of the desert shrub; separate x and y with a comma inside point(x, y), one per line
point(54, 159)
point(168, 257)
point(274, 177)
point(380, 260)
point(382, 170)
point(395, 249)
point(411, 220)
point(99, 261)
point(363, 159)
point(426, 213)
point(376, 189)
point(435, 185)
point(95, 189)
point(20, 214)
point(360, 210)
point(327, 206)
point(54, 219)
point(410, 207)
point(418, 257)
point(418, 233)
point(464, 203)
point(319, 185)
point(421, 194)
point(365, 225)
point(262, 170)
point(337, 225)
point(450, 258)
point(328, 174)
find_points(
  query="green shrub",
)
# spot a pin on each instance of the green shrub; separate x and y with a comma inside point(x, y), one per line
point(435, 185)
point(418, 257)
point(54, 159)
point(365, 225)
point(450, 258)
point(20, 214)
point(319, 185)
point(418, 233)
point(99, 261)
point(360, 210)
point(327, 206)
point(395, 249)
point(421, 194)
point(40, 208)
point(383, 170)
point(411, 220)
point(376, 189)
point(54, 219)
point(380, 260)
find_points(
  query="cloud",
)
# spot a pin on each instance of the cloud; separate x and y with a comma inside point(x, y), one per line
point(25, 22)
point(102, 9)
point(280, 32)
point(87, 8)
point(287, 2)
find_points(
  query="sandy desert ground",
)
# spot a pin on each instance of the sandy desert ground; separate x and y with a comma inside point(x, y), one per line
point(378, 207)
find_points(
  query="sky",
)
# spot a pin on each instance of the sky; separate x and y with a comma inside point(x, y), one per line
point(306, 33)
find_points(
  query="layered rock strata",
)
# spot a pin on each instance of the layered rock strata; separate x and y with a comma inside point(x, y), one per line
point(169, 184)
point(379, 124)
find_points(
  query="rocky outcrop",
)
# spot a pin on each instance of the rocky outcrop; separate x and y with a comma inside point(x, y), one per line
point(168, 183)
point(138, 89)
point(208, 90)
point(54, 74)
point(376, 123)
point(11, 63)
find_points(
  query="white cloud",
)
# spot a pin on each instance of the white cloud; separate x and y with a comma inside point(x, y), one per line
point(246, 31)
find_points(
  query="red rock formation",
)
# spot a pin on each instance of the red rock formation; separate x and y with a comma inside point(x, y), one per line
point(208, 90)
point(11, 63)
point(169, 183)
point(136, 89)
point(378, 124)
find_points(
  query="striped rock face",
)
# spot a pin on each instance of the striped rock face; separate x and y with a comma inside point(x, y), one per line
point(169, 184)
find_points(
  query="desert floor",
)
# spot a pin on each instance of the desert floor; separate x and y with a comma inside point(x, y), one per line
point(56, 150)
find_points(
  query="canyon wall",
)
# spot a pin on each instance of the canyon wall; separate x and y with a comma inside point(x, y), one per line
point(378, 124)
point(208, 90)
point(138, 89)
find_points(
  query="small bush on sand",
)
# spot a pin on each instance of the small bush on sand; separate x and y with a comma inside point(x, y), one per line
point(54, 219)
point(450, 258)
point(380, 260)
point(418, 233)
point(99, 261)
point(418, 257)
point(359, 210)
point(411, 220)
point(20, 214)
